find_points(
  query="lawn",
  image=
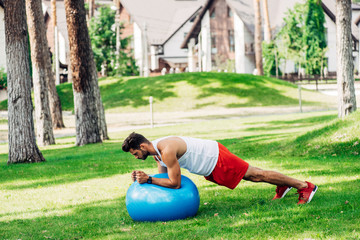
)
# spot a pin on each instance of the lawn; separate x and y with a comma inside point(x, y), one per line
point(79, 192)
point(194, 91)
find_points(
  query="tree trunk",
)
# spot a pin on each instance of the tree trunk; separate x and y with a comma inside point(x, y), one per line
point(83, 74)
point(22, 143)
point(45, 135)
point(55, 104)
point(91, 8)
point(100, 108)
point(267, 35)
point(56, 42)
point(118, 40)
point(345, 65)
point(258, 48)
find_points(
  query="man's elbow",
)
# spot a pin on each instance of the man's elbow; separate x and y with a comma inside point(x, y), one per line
point(176, 185)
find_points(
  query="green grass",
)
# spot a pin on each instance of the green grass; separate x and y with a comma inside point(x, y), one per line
point(79, 192)
point(192, 91)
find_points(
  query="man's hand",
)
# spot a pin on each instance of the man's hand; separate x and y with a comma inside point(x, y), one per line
point(140, 176)
point(133, 176)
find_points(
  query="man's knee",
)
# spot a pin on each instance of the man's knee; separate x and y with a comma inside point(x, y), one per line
point(254, 174)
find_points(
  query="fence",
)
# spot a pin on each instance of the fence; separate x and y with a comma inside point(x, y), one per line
point(309, 79)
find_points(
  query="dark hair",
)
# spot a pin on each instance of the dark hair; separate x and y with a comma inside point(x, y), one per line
point(133, 141)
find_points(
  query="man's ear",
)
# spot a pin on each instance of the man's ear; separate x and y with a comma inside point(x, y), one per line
point(142, 146)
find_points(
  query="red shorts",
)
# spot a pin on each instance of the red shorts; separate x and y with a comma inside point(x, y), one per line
point(229, 169)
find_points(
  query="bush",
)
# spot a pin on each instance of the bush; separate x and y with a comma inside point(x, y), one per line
point(102, 33)
point(3, 79)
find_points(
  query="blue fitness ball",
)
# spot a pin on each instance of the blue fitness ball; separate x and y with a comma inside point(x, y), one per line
point(150, 202)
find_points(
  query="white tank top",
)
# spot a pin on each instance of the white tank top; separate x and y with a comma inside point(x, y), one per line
point(200, 157)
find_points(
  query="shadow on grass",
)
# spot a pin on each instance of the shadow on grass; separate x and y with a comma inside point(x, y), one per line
point(303, 122)
point(247, 212)
point(71, 165)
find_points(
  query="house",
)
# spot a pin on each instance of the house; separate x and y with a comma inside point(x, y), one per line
point(2, 37)
point(158, 29)
point(329, 7)
point(226, 28)
point(63, 40)
point(355, 11)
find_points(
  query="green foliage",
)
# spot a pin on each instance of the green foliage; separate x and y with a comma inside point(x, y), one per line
point(102, 33)
point(291, 35)
point(271, 59)
point(302, 39)
point(3, 79)
point(314, 37)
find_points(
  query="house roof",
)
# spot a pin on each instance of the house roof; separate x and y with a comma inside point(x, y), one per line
point(162, 17)
point(329, 7)
point(245, 10)
point(277, 10)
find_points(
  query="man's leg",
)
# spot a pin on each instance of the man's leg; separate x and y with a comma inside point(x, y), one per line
point(284, 183)
point(258, 175)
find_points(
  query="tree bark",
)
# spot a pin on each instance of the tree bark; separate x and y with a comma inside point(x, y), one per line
point(22, 143)
point(39, 52)
point(267, 35)
point(83, 74)
point(55, 104)
point(91, 8)
point(345, 65)
point(258, 48)
point(100, 108)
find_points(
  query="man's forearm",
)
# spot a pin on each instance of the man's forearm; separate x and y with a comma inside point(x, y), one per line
point(165, 182)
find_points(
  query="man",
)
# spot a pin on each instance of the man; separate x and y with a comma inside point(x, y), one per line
point(209, 159)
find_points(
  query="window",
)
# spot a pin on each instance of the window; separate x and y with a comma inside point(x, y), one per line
point(212, 13)
point(213, 43)
point(231, 40)
point(160, 50)
point(229, 12)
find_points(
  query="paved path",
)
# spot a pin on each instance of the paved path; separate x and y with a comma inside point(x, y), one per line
point(331, 89)
point(117, 122)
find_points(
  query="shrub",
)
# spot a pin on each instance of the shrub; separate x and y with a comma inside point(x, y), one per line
point(3, 79)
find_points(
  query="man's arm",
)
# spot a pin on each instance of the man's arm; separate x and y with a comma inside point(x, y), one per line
point(173, 169)
point(161, 169)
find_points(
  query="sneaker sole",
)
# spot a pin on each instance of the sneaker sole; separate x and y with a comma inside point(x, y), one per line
point(286, 191)
point(312, 193)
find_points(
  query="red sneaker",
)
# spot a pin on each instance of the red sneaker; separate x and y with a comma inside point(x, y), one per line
point(306, 194)
point(281, 191)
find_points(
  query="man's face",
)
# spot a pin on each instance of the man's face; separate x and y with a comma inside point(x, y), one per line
point(139, 153)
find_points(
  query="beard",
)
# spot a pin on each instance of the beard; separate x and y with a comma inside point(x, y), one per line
point(145, 154)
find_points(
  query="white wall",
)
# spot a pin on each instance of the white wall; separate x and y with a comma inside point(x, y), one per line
point(355, 15)
point(191, 55)
point(2, 40)
point(154, 64)
point(62, 49)
point(138, 46)
point(243, 62)
point(206, 43)
point(331, 43)
point(172, 46)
